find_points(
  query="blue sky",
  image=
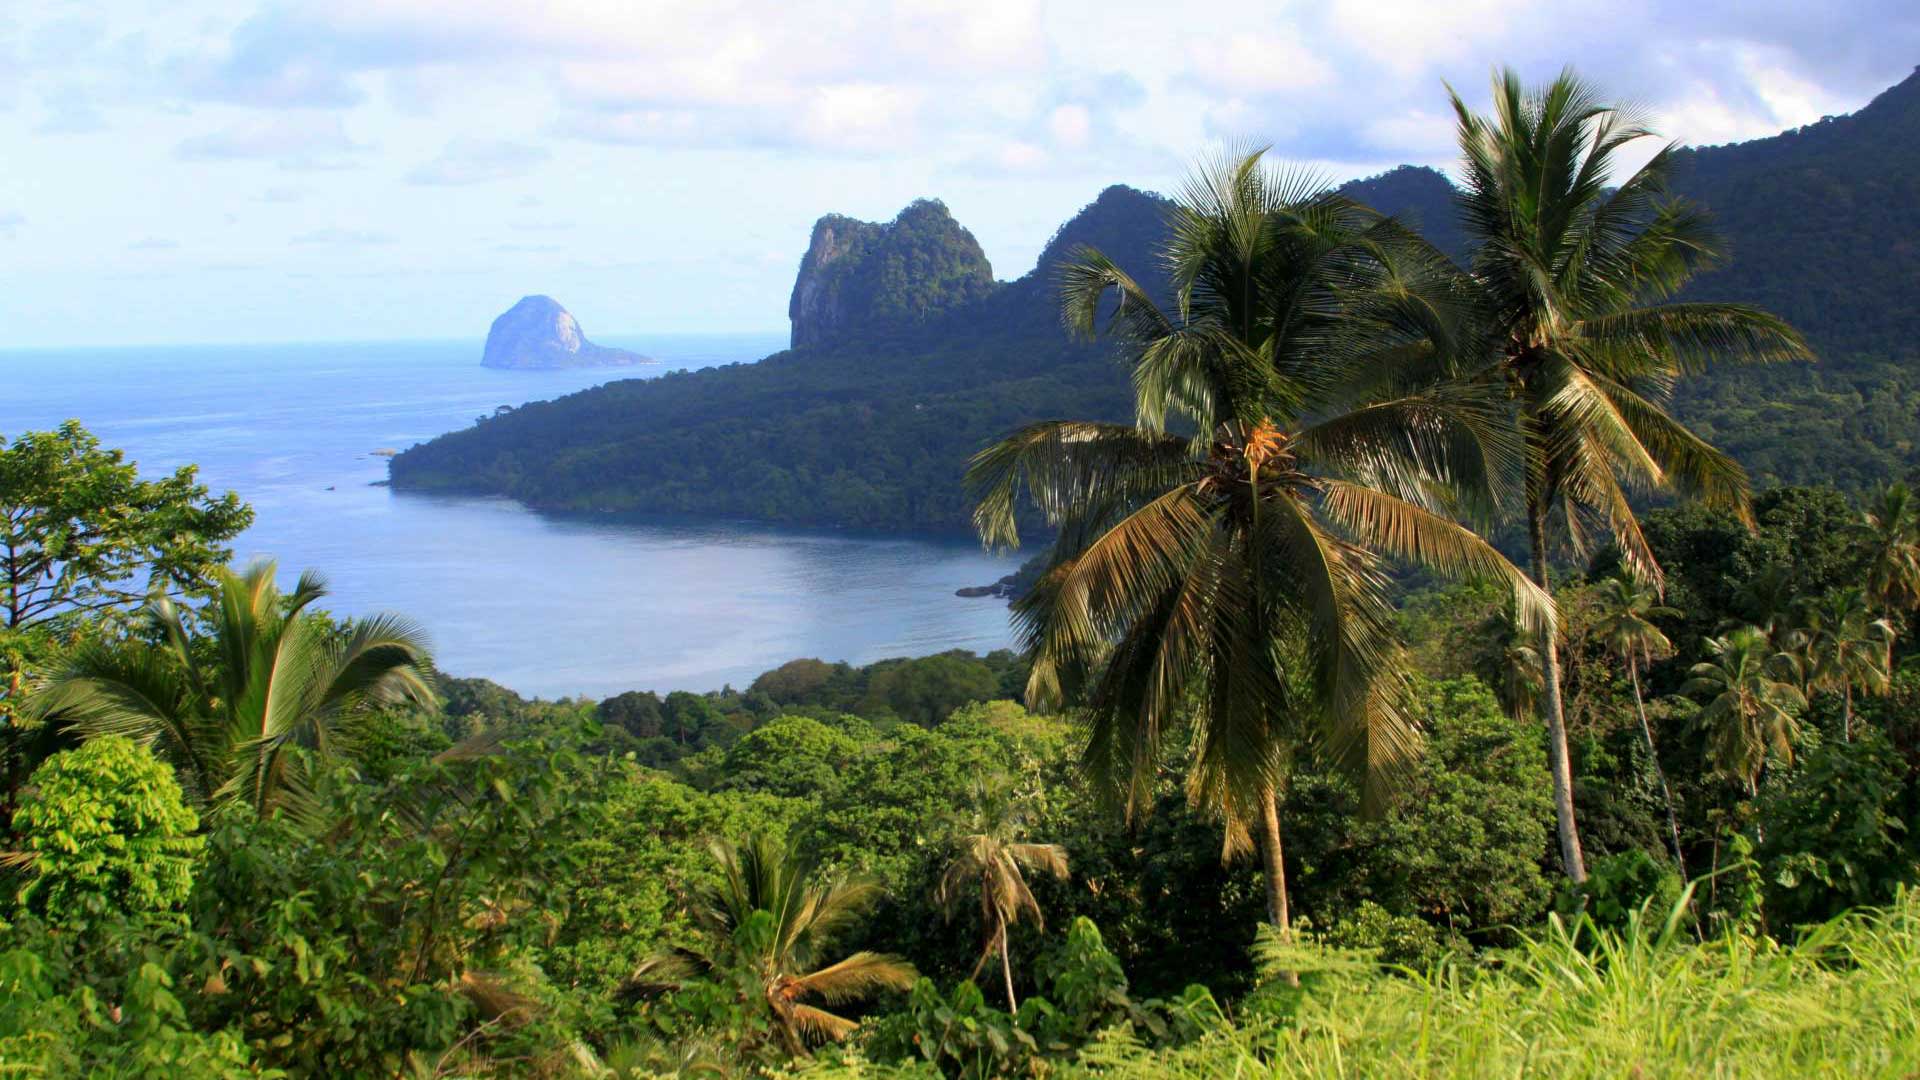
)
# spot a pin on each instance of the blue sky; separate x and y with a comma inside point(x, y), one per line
point(359, 169)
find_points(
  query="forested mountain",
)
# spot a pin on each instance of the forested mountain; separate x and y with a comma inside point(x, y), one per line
point(905, 272)
point(872, 425)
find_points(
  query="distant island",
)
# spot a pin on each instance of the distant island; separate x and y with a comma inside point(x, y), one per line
point(537, 333)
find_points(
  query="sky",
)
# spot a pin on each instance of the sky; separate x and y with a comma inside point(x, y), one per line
point(187, 171)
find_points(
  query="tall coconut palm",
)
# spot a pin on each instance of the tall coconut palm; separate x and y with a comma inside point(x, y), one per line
point(1228, 584)
point(1511, 664)
point(1628, 607)
point(770, 923)
point(1752, 703)
point(1889, 534)
point(992, 859)
point(1767, 600)
point(1572, 264)
point(243, 709)
point(1844, 649)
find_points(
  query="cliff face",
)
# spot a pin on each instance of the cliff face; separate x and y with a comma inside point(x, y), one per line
point(538, 333)
point(859, 276)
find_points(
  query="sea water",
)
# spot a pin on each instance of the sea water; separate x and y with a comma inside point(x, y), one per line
point(547, 605)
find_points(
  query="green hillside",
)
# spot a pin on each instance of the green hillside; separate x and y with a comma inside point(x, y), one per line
point(872, 429)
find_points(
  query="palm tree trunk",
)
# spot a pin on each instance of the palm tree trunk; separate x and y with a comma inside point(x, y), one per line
point(1006, 972)
point(1271, 853)
point(1660, 774)
point(1846, 710)
point(1570, 857)
point(1276, 868)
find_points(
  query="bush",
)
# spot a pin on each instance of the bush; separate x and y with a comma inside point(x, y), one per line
point(1835, 831)
point(1618, 886)
point(108, 832)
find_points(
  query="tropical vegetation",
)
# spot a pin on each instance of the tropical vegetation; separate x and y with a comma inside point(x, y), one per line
point(242, 837)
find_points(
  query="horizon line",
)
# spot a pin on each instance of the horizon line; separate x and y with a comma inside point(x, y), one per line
point(477, 342)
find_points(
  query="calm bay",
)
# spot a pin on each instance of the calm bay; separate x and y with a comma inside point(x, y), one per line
point(544, 604)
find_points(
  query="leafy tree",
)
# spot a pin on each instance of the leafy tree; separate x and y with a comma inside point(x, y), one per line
point(105, 831)
point(892, 804)
point(1628, 608)
point(796, 681)
point(993, 861)
point(770, 928)
point(926, 690)
point(1463, 847)
point(692, 720)
point(1234, 579)
point(636, 712)
point(1889, 530)
point(1752, 703)
point(1845, 649)
point(636, 865)
point(1570, 265)
point(53, 1024)
point(1836, 832)
point(244, 711)
point(83, 534)
point(793, 756)
point(402, 929)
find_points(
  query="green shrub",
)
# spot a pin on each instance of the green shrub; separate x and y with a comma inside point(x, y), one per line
point(108, 832)
point(1618, 885)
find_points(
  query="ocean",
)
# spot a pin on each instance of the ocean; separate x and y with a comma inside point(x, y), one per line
point(549, 606)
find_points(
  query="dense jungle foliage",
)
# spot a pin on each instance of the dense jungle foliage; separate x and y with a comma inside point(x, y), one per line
point(1315, 780)
point(479, 884)
point(872, 430)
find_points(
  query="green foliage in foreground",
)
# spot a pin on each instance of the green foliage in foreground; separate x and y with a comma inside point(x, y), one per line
point(1644, 1001)
point(106, 829)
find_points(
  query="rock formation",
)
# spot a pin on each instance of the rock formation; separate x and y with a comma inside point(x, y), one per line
point(862, 278)
point(538, 333)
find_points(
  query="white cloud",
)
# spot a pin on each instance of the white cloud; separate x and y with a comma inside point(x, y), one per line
point(862, 116)
point(344, 237)
point(1258, 63)
point(1070, 125)
point(477, 161)
point(296, 139)
point(1021, 156)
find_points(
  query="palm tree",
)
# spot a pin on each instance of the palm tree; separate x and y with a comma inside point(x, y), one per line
point(1767, 600)
point(994, 860)
point(770, 925)
point(1752, 706)
point(1889, 532)
point(1845, 648)
point(1628, 607)
point(246, 708)
point(1571, 265)
point(1510, 665)
point(1233, 578)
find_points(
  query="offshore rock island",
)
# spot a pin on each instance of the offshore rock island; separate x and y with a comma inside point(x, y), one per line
point(538, 334)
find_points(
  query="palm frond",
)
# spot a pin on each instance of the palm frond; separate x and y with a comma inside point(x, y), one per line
point(1690, 338)
point(1392, 525)
point(857, 977)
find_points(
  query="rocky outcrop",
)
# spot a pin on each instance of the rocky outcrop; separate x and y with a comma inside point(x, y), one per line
point(860, 278)
point(538, 333)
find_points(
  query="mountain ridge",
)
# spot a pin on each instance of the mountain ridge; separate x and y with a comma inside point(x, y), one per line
point(872, 427)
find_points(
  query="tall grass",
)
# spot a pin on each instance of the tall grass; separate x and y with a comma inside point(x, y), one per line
point(1843, 1001)
point(1644, 1002)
